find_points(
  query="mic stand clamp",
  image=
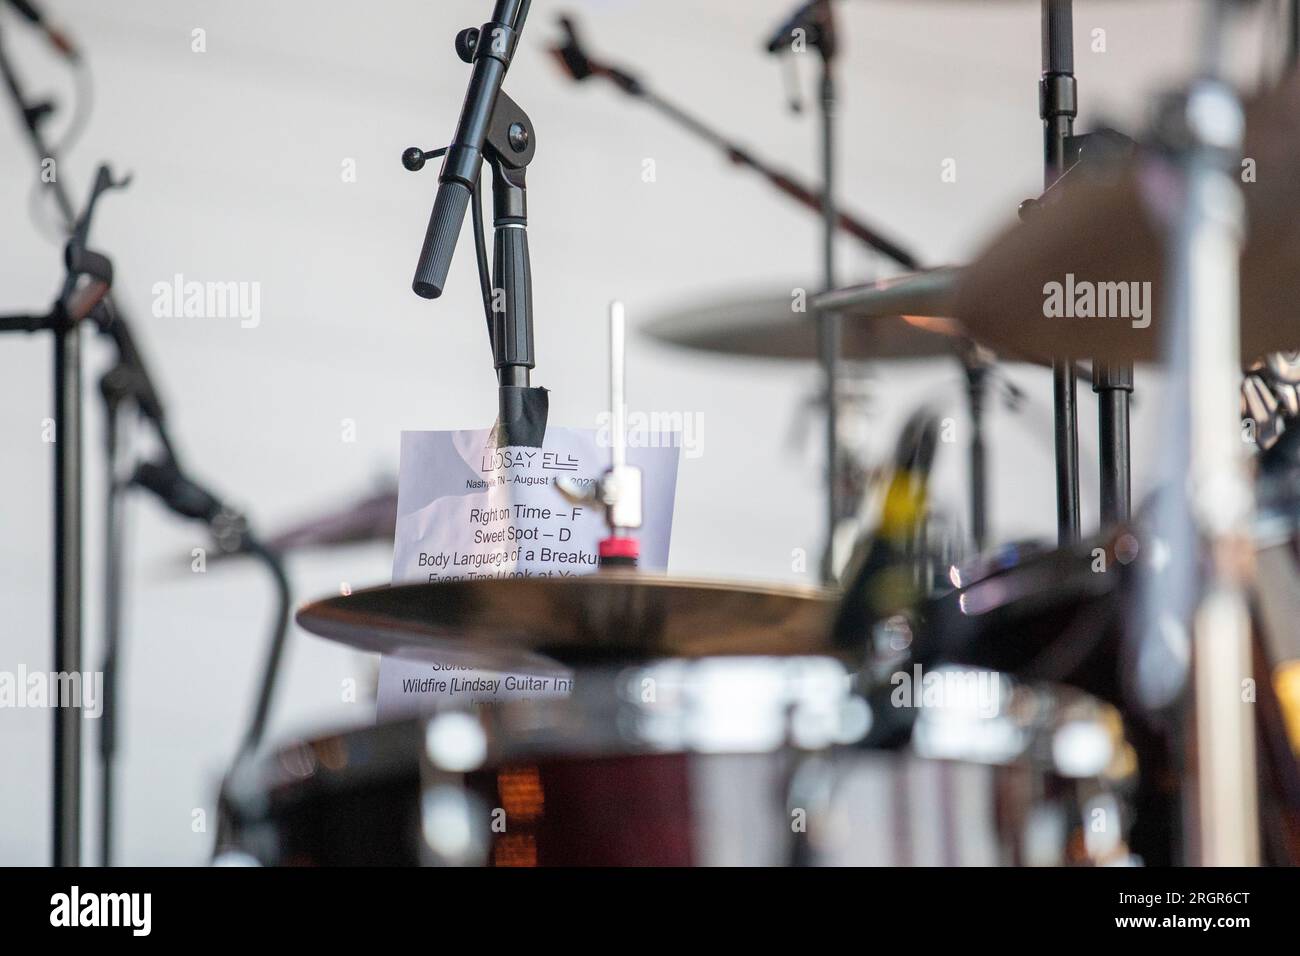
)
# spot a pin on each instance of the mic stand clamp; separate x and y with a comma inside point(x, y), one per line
point(509, 147)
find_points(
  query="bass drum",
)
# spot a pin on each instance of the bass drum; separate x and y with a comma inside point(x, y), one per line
point(675, 763)
point(737, 761)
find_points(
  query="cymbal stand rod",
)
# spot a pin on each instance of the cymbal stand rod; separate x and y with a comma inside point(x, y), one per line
point(1207, 266)
point(1057, 107)
point(617, 385)
point(1113, 384)
point(1192, 624)
point(977, 372)
point(620, 488)
point(828, 323)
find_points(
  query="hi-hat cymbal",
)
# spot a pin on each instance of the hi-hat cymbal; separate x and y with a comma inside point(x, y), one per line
point(504, 623)
point(1105, 235)
point(769, 327)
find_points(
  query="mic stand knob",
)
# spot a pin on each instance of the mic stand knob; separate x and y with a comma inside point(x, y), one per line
point(414, 158)
point(467, 43)
point(229, 531)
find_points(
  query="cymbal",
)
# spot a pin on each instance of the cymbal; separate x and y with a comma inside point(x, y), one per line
point(371, 518)
point(927, 294)
point(1107, 230)
point(767, 326)
point(504, 623)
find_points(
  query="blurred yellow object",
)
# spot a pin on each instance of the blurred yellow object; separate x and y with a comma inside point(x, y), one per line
point(1286, 683)
point(904, 507)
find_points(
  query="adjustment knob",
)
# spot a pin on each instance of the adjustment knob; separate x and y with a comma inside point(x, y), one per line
point(467, 43)
point(413, 158)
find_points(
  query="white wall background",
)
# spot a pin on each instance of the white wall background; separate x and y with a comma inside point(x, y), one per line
point(237, 154)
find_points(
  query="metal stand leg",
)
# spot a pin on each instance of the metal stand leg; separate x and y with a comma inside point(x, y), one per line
point(67, 592)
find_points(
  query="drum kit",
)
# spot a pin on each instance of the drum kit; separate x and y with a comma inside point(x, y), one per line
point(1126, 697)
point(1079, 703)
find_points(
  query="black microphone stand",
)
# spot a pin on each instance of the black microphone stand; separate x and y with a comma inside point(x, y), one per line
point(114, 538)
point(813, 24)
point(509, 143)
point(580, 65)
point(126, 383)
point(68, 544)
point(66, 803)
point(817, 21)
point(89, 276)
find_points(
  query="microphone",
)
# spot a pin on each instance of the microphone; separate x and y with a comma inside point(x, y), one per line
point(56, 37)
point(491, 49)
point(189, 499)
point(183, 496)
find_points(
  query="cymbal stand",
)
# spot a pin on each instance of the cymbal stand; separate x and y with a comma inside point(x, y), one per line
point(828, 323)
point(1206, 580)
point(1058, 105)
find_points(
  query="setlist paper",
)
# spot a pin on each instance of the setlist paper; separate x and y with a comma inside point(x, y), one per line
point(468, 510)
